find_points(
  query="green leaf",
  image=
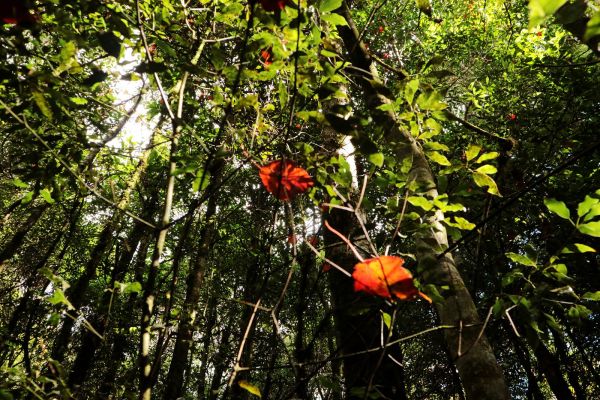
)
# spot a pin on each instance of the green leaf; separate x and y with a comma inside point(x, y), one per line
point(593, 27)
point(45, 193)
point(419, 201)
point(58, 297)
point(540, 10)
point(483, 180)
point(558, 207)
point(250, 388)
point(586, 205)
point(410, 89)
point(27, 198)
point(80, 101)
point(594, 296)
point(487, 169)
point(376, 159)
point(591, 228)
point(329, 5)
point(128, 287)
point(387, 319)
point(594, 212)
point(438, 158)
point(19, 183)
point(582, 248)
point(436, 146)
point(334, 19)
point(488, 156)
point(521, 259)
point(463, 224)
point(42, 104)
point(472, 152)
point(431, 100)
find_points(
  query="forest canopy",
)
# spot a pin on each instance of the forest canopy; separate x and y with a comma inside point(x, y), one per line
point(299, 199)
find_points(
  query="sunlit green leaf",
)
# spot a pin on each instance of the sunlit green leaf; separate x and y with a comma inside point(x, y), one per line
point(483, 180)
point(376, 159)
point(438, 158)
point(487, 169)
point(539, 10)
point(590, 228)
point(422, 202)
point(472, 152)
point(521, 259)
point(586, 205)
point(329, 5)
point(557, 207)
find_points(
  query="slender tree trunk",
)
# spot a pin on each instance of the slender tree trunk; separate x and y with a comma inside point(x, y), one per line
point(480, 373)
point(306, 261)
point(533, 388)
point(549, 364)
point(567, 361)
point(76, 295)
point(357, 333)
point(15, 243)
point(211, 321)
point(220, 364)
point(91, 342)
point(185, 332)
point(121, 341)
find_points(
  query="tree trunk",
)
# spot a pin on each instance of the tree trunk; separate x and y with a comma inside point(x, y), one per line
point(13, 245)
point(549, 364)
point(90, 342)
point(533, 388)
point(363, 372)
point(76, 295)
point(480, 373)
point(185, 331)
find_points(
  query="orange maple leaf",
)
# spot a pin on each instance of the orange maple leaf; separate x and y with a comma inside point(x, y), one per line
point(385, 276)
point(284, 179)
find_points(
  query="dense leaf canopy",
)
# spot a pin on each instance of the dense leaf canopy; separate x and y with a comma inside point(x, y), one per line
point(238, 199)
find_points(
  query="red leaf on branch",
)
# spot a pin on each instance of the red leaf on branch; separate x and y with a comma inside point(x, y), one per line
point(272, 5)
point(266, 56)
point(385, 276)
point(284, 179)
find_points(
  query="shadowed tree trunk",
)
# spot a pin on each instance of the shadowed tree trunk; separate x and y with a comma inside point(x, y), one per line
point(480, 373)
point(358, 330)
point(121, 341)
point(185, 331)
point(15, 243)
point(549, 364)
point(91, 342)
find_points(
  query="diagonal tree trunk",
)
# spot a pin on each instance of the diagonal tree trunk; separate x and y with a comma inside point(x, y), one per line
point(480, 373)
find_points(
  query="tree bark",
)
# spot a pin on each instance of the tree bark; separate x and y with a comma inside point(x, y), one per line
point(549, 364)
point(186, 329)
point(13, 245)
point(358, 331)
point(480, 373)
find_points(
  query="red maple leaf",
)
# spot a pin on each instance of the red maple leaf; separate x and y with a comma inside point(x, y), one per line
point(272, 5)
point(385, 276)
point(284, 179)
point(15, 12)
